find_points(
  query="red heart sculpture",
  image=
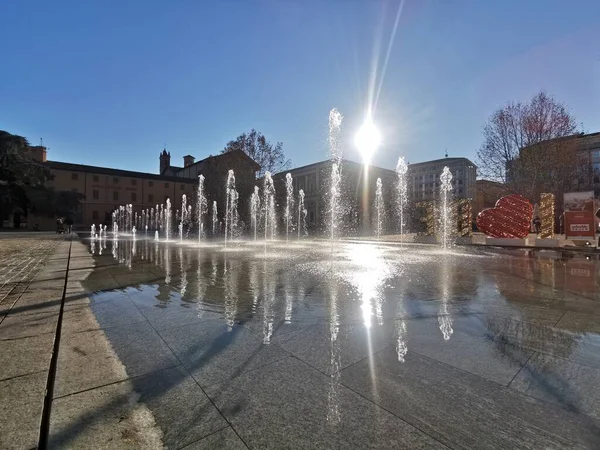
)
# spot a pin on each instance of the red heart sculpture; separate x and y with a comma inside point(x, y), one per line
point(510, 218)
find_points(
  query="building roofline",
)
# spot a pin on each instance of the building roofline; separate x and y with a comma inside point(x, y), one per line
point(223, 154)
point(58, 165)
point(327, 161)
point(454, 158)
point(574, 136)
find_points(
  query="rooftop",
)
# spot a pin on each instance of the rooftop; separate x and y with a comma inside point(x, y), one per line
point(57, 165)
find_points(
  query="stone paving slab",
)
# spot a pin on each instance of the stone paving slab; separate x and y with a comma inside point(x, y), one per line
point(225, 439)
point(31, 283)
point(463, 410)
point(291, 405)
point(562, 382)
point(21, 403)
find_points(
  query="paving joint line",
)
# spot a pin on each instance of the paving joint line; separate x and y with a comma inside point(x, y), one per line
point(190, 375)
point(44, 430)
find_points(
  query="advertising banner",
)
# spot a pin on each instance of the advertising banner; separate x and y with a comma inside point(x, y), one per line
point(580, 222)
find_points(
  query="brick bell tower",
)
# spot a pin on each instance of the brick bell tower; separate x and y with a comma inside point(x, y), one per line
point(165, 161)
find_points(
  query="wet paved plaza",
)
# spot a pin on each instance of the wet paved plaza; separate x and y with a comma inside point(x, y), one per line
point(362, 345)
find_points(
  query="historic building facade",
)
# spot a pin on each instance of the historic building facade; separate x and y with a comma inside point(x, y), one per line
point(103, 189)
point(424, 178)
point(356, 190)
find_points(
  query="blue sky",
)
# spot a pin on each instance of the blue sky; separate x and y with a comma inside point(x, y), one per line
point(108, 82)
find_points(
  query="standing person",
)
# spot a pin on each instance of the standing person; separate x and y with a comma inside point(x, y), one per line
point(537, 224)
point(69, 223)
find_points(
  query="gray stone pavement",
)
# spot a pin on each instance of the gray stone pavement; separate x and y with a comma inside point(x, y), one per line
point(32, 277)
point(362, 346)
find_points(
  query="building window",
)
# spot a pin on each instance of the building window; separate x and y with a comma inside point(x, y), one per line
point(150, 183)
point(74, 176)
point(596, 154)
point(115, 180)
point(115, 195)
point(134, 182)
point(133, 197)
point(95, 194)
point(94, 215)
point(166, 185)
point(150, 198)
point(182, 187)
point(96, 179)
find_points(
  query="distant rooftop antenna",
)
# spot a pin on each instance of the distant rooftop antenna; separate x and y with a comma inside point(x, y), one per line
point(41, 142)
point(446, 153)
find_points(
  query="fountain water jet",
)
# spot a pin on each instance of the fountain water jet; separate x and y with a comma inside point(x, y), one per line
point(289, 203)
point(254, 210)
point(183, 214)
point(335, 150)
point(168, 220)
point(301, 213)
point(231, 207)
point(401, 193)
point(202, 207)
point(269, 206)
point(378, 208)
point(215, 218)
point(445, 191)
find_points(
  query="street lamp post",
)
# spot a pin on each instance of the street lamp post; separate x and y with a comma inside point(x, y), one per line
point(367, 141)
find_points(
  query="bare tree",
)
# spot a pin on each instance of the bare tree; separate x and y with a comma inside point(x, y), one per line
point(270, 157)
point(526, 146)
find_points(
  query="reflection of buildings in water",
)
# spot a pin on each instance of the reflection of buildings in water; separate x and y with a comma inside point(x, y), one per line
point(269, 284)
point(230, 280)
point(511, 335)
point(444, 319)
point(547, 278)
point(163, 294)
point(333, 403)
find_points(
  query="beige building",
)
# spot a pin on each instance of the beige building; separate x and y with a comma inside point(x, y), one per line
point(105, 189)
point(314, 180)
point(424, 178)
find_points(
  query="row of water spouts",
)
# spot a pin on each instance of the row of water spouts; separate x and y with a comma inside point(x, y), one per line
point(401, 188)
point(263, 208)
point(159, 219)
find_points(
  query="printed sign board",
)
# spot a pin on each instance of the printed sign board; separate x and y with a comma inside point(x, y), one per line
point(579, 215)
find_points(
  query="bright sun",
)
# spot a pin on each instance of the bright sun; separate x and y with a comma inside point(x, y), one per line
point(367, 139)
